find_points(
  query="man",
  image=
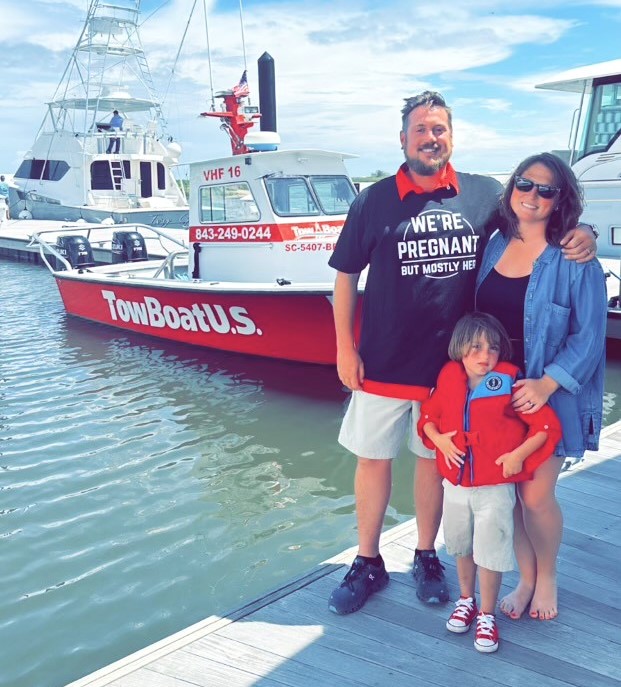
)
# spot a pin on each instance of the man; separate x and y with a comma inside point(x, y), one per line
point(116, 124)
point(422, 233)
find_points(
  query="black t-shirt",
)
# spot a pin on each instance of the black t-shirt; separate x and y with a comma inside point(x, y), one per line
point(423, 254)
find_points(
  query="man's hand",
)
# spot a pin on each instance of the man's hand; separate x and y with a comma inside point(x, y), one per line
point(350, 368)
point(579, 244)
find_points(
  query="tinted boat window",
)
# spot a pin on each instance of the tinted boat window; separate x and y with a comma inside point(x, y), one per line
point(335, 193)
point(603, 122)
point(291, 196)
point(50, 170)
point(101, 177)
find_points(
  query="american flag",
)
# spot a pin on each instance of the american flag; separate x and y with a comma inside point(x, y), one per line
point(241, 90)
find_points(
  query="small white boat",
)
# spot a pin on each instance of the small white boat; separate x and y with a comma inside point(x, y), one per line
point(69, 174)
point(255, 280)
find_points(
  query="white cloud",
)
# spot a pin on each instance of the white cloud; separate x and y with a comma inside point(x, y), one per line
point(342, 68)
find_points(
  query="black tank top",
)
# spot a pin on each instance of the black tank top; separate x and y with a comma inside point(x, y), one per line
point(503, 297)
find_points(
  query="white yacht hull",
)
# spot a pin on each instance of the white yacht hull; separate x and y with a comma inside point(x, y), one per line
point(174, 218)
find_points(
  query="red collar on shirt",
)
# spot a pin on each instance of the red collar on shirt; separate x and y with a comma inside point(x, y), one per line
point(405, 184)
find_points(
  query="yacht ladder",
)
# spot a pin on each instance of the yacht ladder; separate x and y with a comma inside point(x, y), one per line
point(118, 174)
point(147, 79)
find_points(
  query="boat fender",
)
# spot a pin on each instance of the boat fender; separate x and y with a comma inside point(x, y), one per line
point(283, 282)
point(197, 252)
point(128, 246)
point(76, 250)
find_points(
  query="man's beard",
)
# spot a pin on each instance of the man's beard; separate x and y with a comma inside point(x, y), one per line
point(427, 170)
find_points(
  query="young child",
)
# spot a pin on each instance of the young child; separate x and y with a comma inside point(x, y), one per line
point(483, 446)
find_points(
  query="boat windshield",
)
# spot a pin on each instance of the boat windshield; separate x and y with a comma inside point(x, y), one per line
point(227, 203)
point(603, 118)
point(328, 194)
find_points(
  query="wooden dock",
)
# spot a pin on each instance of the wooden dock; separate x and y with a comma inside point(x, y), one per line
point(289, 637)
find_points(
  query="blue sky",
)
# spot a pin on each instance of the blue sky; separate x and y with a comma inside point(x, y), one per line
point(342, 70)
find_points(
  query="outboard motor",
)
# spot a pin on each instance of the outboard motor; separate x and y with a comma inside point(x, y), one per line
point(76, 250)
point(128, 246)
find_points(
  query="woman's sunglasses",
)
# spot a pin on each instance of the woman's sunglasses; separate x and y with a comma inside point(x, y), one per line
point(544, 190)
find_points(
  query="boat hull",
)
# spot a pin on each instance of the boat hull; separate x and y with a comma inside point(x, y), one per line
point(176, 218)
point(287, 325)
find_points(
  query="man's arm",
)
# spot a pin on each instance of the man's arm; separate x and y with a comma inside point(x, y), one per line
point(580, 243)
point(348, 363)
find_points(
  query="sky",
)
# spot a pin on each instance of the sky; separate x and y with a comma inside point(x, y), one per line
point(342, 70)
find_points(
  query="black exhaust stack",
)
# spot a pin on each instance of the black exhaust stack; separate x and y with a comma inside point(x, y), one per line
point(267, 92)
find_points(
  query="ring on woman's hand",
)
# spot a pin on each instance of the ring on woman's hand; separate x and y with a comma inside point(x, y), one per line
point(531, 404)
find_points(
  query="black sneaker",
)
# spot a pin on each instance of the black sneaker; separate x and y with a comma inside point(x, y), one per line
point(362, 580)
point(429, 577)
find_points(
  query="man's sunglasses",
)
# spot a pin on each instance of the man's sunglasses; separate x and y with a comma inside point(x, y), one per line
point(544, 190)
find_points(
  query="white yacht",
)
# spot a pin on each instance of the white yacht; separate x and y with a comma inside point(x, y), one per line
point(595, 146)
point(68, 174)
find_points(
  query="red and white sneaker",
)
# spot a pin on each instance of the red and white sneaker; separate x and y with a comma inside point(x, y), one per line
point(463, 616)
point(486, 638)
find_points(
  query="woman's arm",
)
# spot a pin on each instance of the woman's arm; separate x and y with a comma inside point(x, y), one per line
point(578, 356)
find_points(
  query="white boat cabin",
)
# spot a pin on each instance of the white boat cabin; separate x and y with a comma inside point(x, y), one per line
point(595, 146)
point(270, 216)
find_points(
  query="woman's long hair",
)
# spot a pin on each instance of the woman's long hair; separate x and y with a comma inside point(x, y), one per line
point(569, 201)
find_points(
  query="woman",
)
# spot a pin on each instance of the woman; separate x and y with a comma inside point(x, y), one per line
point(555, 313)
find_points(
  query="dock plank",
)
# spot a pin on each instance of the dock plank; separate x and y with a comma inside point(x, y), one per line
point(398, 641)
point(289, 637)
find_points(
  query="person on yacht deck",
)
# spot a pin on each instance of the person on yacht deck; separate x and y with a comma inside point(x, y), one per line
point(116, 124)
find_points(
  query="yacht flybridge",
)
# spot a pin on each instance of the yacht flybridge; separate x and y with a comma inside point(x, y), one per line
point(69, 174)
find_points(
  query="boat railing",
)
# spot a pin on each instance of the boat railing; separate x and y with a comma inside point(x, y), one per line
point(136, 140)
point(89, 231)
point(168, 267)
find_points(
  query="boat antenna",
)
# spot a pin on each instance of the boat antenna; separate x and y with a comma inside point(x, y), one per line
point(241, 21)
point(213, 102)
point(157, 9)
point(185, 32)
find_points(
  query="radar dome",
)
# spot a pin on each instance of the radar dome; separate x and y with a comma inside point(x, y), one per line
point(174, 150)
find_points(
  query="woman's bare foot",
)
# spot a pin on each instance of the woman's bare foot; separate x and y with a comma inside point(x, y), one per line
point(514, 604)
point(544, 605)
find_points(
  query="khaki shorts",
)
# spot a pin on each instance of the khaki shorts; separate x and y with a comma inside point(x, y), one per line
point(478, 521)
point(376, 427)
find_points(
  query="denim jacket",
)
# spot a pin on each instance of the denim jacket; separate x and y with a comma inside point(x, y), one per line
point(565, 312)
